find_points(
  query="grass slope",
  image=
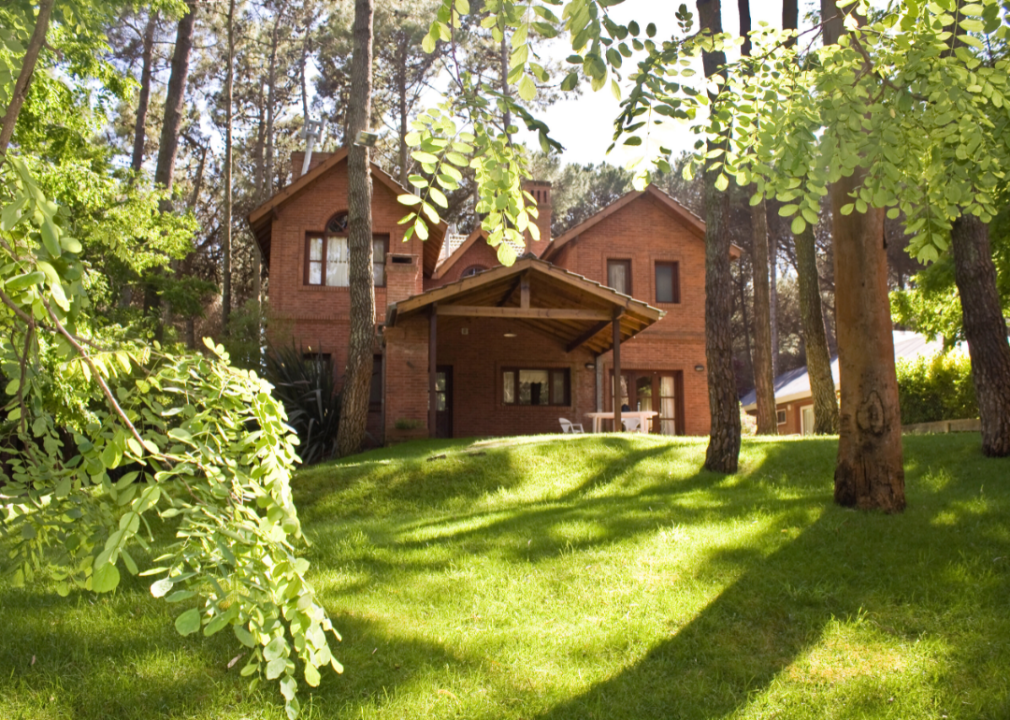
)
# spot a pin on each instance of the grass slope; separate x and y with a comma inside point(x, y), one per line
point(587, 577)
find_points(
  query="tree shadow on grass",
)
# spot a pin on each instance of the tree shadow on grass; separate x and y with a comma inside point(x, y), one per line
point(896, 573)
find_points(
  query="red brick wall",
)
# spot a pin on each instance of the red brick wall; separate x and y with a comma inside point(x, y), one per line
point(644, 233)
point(541, 192)
point(315, 315)
point(477, 359)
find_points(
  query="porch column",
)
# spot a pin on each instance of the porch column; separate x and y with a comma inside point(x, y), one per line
point(432, 371)
point(617, 372)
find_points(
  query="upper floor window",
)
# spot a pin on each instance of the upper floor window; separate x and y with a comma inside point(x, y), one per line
point(327, 258)
point(472, 270)
point(619, 275)
point(667, 282)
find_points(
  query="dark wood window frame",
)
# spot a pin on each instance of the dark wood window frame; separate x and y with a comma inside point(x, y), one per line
point(552, 400)
point(627, 273)
point(325, 237)
point(675, 272)
point(780, 417)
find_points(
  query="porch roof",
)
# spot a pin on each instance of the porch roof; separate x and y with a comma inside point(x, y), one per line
point(576, 311)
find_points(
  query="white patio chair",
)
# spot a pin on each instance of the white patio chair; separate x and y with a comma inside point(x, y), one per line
point(567, 426)
point(631, 424)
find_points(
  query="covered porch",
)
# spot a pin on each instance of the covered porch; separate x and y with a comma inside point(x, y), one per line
point(507, 351)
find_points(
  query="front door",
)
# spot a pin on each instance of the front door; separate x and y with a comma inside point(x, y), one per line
point(660, 391)
point(443, 396)
point(807, 420)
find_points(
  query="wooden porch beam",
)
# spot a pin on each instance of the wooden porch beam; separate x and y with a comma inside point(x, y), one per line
point(587, 336)
point(617, 371)
point(510, 292)
point(519, 313)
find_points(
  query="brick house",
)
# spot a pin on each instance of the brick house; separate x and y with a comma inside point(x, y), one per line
point(500, 350)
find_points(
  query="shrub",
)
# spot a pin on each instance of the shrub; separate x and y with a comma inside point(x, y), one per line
point(938, 387)
point(305, 384)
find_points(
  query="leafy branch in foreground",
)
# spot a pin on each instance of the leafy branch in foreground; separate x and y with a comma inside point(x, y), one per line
point(104, 439)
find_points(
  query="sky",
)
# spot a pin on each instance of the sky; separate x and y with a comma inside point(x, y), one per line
point(584, 125)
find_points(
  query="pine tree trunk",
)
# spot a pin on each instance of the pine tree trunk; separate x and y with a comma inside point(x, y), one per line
point(765, 343)
point(815, 340)
point(764, 378)
point(984, 329)
point(357, 379)
point(401, 90)
point(869, 473)
point(723, 450)
point(24, 80)
point(228, 163)
point(144, 99)
point(168, 147)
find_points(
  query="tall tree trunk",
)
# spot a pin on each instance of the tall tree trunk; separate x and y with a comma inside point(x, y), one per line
point(764, 371)
point(187, 264)
point(168, 147)
point(357, 379)
point(764, 376)
point(790, 16)
point(271, 102)
point(226, 225)
point(401, 89)
point(24, 80)
point(742, 287)
point(984, 329)
point(723, 450)
point(815, 340)
point(869, 472)
point(144, 100)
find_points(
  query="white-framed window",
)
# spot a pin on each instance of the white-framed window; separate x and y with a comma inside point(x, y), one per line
point(780, 415)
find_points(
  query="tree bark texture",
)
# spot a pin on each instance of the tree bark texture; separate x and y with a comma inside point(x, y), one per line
point(815, 339)
point(723, 450)
point(24, 80)
point(790, 16)
point(175, 101)
point(228, 163)
point(357, 379)
point(168, 147)
point(764, 378)
point(144, 99)
point(869, 473)
point(984, 329)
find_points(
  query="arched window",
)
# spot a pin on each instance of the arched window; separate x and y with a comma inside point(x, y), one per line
point(472, 270)
point(326, 255)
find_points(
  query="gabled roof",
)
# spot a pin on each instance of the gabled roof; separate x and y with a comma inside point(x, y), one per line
point(693, 223)
point(443, 268)
point(261, 219)
point(573, 310)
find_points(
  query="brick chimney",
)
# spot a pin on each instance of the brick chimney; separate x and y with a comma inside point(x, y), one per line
point(298, 159)
point(541, 192)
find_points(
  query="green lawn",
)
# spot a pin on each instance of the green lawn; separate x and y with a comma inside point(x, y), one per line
point(587, 577)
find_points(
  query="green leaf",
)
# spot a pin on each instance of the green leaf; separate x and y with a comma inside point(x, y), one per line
point(51, 237)
point(312, 676)
point(244, 636)
point(275, 668)
point(527, 89)
point(160, 588)
point(721, 182)
point(408, 199)
point(105, 579)
point(20, 282)
point(799, 225)
point(423, 157)
point(180, 434)
point(276, 648)
point(188, 623)
point(439, 197)
point(463, 7)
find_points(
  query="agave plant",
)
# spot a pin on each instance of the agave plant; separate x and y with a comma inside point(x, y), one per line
point(304, 382)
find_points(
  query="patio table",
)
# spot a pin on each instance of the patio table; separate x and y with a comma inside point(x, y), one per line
point(643, 417)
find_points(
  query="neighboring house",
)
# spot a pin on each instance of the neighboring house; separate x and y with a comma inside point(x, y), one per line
point(793, 402)
point(500, 350)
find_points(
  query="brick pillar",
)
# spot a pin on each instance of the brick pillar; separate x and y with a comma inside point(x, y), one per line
point(406, 386)
point(541, 192)
point(403, 277)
